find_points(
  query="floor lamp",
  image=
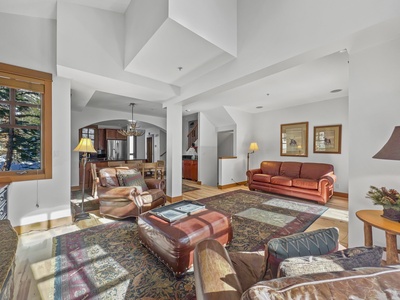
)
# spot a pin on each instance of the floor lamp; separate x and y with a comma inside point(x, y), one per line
point(253, 147)
point(85, 146)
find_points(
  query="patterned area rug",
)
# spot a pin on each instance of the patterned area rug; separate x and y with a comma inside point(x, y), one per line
point(258, 217)
point(108, 262)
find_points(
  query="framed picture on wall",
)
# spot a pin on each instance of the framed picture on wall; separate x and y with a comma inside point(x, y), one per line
point(327, 139)
point(294, 139)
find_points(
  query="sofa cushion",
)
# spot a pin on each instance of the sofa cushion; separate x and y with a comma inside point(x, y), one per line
point(290, 169)
point(303, 183)
point(262, 178)
point(346, 259)
point(365, 283)
point(318, 242)
point(108, 177)
point(135, 179)
point(315, 170)
point(122, 173)
point(281, 180)
point(270, 167)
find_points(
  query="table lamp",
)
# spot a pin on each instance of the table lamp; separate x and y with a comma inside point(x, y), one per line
point(253, 147)
point(391, 150)
point(85, 146)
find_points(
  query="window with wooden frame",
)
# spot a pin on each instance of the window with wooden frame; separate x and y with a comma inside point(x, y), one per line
point(25, 124)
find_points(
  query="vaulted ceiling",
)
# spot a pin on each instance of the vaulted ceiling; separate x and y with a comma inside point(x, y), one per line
point(252, 55)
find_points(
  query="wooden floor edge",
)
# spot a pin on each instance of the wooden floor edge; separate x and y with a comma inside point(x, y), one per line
point(227, 186)
point(342, 195)
point(174, 199)
point(44, 225)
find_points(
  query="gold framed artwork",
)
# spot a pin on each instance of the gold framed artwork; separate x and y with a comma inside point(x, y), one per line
point(328, 139)
point(294, 139)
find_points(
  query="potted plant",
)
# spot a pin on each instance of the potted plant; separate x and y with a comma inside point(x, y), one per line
point(389, 199)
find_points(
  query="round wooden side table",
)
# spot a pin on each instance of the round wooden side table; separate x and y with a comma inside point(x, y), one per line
point(373, 218)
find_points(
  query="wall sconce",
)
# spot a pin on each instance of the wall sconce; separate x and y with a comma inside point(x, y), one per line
point(253, 147)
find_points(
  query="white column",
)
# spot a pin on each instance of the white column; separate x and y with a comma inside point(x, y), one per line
point(174, 152)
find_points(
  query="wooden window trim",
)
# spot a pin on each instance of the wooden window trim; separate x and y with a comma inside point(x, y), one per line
point(46, 80)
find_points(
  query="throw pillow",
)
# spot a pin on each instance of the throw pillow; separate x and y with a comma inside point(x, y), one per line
point(135, 180)
point(122, 173)
point(318, 242)
point(357, 257)
point(249, 267)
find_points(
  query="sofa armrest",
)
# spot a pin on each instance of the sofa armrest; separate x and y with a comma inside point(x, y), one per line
point(155, 183)
point(330, 177)
point(250, 174)
point(214, 274)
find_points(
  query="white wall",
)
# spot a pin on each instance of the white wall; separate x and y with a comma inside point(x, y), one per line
point(207, 152)
point(374, 105)
point(331, 112)
point(245, 132)
point(31, 44)
point(225, 143)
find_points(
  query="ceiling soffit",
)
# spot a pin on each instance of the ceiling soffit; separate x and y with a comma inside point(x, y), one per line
point(179, 40)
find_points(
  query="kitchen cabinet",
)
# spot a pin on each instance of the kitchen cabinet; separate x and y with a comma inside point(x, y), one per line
point(113, 134)
point(189, 169)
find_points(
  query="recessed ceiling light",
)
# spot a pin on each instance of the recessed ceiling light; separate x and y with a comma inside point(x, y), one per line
point(180, 68)
point(187, 110)
point(258, 107)
point(336, 91)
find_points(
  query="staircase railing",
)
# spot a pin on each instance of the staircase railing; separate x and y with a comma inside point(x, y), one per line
point(192, 135)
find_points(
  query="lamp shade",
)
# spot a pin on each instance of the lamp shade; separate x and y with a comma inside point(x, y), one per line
point(85, 145)
point(391, 150)
point(253, 147)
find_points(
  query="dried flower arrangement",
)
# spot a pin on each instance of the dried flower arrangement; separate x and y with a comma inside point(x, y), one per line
point(386, 198)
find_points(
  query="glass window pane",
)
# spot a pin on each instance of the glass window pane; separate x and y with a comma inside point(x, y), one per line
point(26, 149)
point(4, 93)
point(28, 96)
point(27, 116)
point(4, 113)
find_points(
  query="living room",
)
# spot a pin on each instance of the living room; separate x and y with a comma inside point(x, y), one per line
point(290, 35)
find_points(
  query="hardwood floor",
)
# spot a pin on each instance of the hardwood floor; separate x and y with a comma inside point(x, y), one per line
point(33, 273)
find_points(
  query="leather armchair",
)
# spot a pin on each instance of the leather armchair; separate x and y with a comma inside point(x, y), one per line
point(127, 201)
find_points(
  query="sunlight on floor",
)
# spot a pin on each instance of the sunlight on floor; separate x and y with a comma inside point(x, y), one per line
point(337, 214)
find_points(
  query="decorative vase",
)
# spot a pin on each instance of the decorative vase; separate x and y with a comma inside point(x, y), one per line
point(391, 214)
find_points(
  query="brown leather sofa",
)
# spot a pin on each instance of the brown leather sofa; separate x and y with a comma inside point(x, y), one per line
point(216, 277)
point(127, 201)
point(311, 181)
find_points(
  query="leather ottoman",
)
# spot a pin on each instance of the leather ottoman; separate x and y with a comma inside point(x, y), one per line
point(173, 243)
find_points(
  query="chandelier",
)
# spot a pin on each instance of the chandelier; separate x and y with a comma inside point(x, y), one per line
point(132, 128)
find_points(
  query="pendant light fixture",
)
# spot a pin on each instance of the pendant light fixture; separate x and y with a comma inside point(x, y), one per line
point(132, 129)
